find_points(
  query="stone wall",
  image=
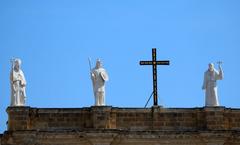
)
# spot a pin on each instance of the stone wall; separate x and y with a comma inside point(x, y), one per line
point(218, 118)
point(121, 126)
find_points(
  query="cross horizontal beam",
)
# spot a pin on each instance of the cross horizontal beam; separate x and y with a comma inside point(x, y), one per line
point(164, 62)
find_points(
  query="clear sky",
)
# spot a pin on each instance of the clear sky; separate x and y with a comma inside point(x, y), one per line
point(54, 39)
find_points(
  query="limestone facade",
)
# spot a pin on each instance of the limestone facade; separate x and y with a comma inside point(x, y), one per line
point(106, 125)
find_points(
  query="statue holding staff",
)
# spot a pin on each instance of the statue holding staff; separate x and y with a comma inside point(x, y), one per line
point(99, 76)
point(18, 84)
point(210, 84)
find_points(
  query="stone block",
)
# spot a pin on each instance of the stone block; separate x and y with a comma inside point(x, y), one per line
point(214, 117)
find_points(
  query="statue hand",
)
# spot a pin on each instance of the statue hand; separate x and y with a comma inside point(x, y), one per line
point(22, 84)
point(220, 67)
point(219, 64)
point(92, 76)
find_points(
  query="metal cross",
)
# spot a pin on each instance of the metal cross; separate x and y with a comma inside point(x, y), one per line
point(154, 64)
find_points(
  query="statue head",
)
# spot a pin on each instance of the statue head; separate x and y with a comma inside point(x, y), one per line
point(17, 63)
point(98, 63)
point(211, 67)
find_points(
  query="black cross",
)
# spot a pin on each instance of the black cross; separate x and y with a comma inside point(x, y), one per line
point(154, 64)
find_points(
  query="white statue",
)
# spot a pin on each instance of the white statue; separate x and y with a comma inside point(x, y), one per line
point(18, 84)
point(210, 84)
point(99, 76)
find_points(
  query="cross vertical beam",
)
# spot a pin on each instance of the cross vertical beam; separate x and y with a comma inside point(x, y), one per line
point(154, 64)
point(154, 69)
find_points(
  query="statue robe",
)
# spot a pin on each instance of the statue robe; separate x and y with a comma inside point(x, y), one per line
point(99, 76)
point(210, 86)
point(18, 85)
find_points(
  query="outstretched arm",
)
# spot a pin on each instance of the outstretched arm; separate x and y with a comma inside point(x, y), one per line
point(220, 75)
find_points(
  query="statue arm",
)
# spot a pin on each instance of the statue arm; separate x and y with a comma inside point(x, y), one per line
point(13, 77)
point(92, 77)
point(220, 74)
point(24, 80)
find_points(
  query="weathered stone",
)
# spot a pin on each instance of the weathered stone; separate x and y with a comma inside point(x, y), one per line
point(106, 125)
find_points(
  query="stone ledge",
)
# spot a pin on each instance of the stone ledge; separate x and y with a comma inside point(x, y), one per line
point(148, 133)
point(120, 137)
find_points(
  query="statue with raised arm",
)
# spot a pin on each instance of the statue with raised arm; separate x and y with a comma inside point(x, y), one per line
point(210, 84)
point(18, 84)
point(99, 76)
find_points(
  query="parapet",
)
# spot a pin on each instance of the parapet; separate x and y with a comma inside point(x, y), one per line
point(108, 117)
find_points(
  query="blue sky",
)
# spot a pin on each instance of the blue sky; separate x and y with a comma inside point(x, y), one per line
point(54, 39)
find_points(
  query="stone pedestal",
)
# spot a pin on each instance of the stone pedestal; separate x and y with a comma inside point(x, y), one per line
point(215, 118)
point(18, 118)
point(103, 117)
